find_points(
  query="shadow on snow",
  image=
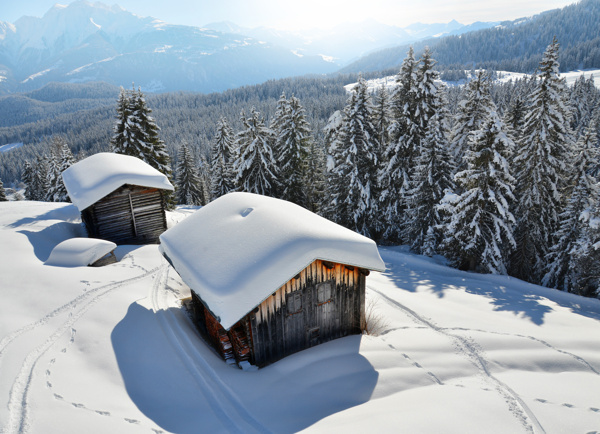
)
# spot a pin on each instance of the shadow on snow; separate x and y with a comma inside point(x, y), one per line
point(413, 272)
point(189, 390)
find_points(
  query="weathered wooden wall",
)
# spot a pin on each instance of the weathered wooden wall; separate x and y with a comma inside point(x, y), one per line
point(324, 302)
point(129, 215)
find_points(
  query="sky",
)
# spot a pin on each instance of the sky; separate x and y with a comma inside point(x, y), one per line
point(294, 15)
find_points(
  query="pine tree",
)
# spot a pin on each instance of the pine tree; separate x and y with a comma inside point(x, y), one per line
point(514, 118)
point(63, 160)
point(430, 181)
point(336, 189)
point(255, 166)
point(136, 132)
point(187, 182)
point(205, 175)
point(433, 169)
point(359, 148)
point(473, 111)
point(382, 115)
point(540, 163)
point(479, 235)
point(292, 144)
point(315, 181)
point(222, 157)
point(563, 268)
point(28, 176)
point(3, 197)
point(399, 154)
point(585, 256)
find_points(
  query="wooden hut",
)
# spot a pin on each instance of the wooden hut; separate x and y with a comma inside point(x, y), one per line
point(269, 278)
point(121, 198)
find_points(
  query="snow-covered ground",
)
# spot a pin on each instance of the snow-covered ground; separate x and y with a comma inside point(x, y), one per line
point(109, 349)
point(502, 77)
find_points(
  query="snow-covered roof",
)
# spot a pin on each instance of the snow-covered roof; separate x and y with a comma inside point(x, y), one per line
point(76, 252)
point(93, 178)
point(240, 248)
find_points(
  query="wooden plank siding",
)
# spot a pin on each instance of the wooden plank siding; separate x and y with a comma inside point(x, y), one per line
point(129, 215)
point(324, 301)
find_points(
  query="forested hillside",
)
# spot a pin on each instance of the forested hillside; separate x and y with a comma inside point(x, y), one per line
point(511, 46)
point(182, 117)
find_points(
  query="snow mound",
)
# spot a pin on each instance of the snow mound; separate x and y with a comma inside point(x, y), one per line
point(240, 248)
point(93, 178)
point(77, 252)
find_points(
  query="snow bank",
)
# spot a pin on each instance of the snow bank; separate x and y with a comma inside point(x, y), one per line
point(77, 252)
point(240, 248)
point(91, 179)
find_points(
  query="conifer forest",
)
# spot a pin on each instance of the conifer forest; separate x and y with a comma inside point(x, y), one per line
point(497, 177)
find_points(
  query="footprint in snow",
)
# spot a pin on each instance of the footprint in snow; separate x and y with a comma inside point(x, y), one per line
point(133, 421)
point(77, 405)
point(543, 401)
point(103, 413)
point(568, 405)
point(57, 396)
point(597, 410)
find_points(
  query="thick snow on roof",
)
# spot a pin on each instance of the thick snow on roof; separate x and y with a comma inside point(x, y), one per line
point(77, 252)
point(240, 248)
point(91, 179)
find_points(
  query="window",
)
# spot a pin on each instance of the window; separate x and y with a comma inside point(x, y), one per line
point(293, 302)
point(324, 292)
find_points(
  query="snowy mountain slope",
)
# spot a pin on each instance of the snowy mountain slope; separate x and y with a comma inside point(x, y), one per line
point(346, 42)
point(110, 350)
point(93, 42)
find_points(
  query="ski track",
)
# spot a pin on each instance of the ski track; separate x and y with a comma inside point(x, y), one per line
point(533, 338)
point(225, 404)
point(18, 405)
point(469, 349)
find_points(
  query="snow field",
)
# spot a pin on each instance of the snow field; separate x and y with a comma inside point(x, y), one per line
point(109, 349)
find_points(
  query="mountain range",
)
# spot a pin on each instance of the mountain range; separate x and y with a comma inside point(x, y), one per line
point(86, 42)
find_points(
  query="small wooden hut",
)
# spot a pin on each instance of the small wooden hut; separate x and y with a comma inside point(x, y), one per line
point(121, 198)
point(269, 278)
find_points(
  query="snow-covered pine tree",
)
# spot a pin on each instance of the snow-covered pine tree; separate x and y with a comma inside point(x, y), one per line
point(359, 148)
point(154, 151)
point(292, 143)
point(52, 174)
point(431, 180)
point(136, 132)
point(472, 112)
point(563, 266)
point(3, 197)
point(204, 175)
point(122, 141)
point(28, 176)
point(584, 99)
point(479, 235)
point(382, 115)
point(188, 190)
point(431, 175)
point(585, 256)
point(540, 164)
point(222, 175)
point(514, 118)
point(255, 166)
point(336, 189)
point(399, 154)
point(62, 160)
point(42, 172)
point(595, 123)
point(315, 181)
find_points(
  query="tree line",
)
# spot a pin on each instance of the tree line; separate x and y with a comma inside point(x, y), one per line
point(498, 178)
